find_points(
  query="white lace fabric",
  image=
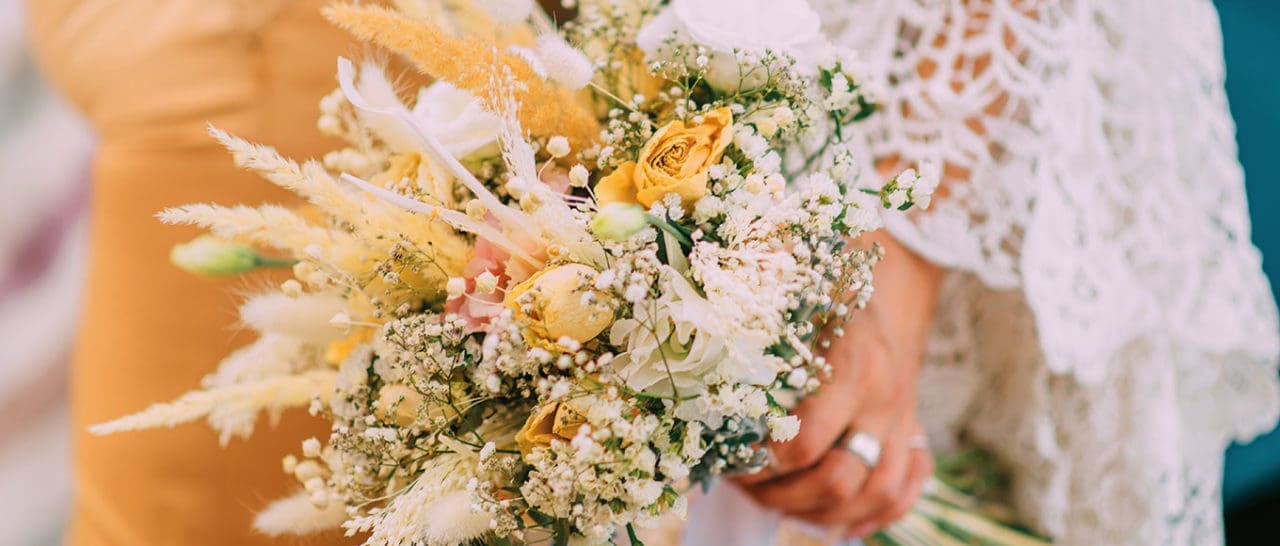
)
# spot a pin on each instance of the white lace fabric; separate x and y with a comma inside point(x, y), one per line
point(1106, 328)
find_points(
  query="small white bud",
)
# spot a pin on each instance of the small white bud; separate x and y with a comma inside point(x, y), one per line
point(456, 287)
point(311, 447)
point(558, 147)
point(291, 288)
point(486, 282)
point(579, 177)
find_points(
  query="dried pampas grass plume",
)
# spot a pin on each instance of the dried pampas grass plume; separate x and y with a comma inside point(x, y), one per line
point(544, 108)
point(273, 394)
point(305, 317)
point(296, 515)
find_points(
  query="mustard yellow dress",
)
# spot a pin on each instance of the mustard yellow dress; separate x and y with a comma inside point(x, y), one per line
point(150, 75)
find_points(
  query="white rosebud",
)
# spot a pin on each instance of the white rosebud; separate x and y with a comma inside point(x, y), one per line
point(456, 287)
point(618, 221)
point(579, 177)
point(558, 147)
point(209, 255)
point(486, 282)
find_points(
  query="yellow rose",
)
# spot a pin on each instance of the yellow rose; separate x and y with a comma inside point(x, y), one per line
point(554, 306)
point(549, 422)
point(675, 160)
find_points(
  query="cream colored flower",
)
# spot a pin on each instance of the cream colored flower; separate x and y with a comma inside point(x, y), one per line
point(676, 160)
point(455, 117)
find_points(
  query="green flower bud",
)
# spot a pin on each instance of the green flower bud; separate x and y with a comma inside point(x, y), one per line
point(209, 255)
point(618, 221)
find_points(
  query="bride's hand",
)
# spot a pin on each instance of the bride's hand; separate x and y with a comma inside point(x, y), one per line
point(872, 389)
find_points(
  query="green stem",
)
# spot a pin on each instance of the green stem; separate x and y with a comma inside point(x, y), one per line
point(262, 261)
point(680, 235)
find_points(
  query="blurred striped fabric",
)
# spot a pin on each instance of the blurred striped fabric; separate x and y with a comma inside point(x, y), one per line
point(44, 154)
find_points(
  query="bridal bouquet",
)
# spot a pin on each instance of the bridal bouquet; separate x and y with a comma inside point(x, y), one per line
point(563, 283)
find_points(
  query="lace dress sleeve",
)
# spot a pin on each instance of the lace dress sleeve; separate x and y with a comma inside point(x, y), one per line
point(1106, 329)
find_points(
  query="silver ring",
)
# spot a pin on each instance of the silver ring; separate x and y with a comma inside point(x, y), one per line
point(919, 441)
point(865, 447)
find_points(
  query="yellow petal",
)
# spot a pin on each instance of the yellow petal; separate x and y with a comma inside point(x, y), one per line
point(537, 430)
point(618, 187)
point(689, 189)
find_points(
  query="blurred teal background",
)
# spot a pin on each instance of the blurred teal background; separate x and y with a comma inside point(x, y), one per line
point(1251, 29)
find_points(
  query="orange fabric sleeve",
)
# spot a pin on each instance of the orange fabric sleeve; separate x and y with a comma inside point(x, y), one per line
point(150, 76)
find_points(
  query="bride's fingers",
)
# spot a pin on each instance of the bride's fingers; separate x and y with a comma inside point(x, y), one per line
point(822, 421)
point(881, 491)
point(833, 481)
point(921, 469)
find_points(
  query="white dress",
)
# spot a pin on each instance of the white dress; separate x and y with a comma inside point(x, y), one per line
point(1106, 328)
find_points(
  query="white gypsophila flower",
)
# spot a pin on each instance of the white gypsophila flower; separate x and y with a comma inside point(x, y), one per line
point(456, 287)
point(579, 177)
point(714, 407)
point(926, 184)
point(558, 147)
point(783, 429)
point(749, 27)
point(455, 118)
point(563, 63)
point(751, 144)
point(486, 282)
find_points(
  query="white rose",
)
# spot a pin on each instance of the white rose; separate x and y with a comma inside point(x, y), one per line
point(789, 27)
point(456, 119)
